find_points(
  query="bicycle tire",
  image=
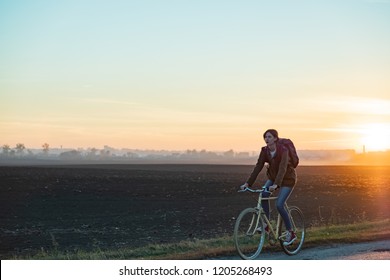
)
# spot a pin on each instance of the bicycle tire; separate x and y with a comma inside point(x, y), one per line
point(247, 239)
point(298, 223)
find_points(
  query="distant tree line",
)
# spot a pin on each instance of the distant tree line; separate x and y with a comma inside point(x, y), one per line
point(109, 153)
point(188, 156)
point(20, 150)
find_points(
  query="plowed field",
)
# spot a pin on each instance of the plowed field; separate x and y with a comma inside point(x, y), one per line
point(114, 206)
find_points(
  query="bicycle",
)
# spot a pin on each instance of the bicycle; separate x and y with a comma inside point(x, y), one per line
point(249, 229)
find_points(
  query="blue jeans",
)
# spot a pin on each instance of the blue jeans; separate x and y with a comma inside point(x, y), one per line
point(284, 193)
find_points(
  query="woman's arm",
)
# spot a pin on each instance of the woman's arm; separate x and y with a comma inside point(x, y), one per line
point(258, 167)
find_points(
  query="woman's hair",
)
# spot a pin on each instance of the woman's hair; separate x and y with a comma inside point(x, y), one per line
point(273, 132)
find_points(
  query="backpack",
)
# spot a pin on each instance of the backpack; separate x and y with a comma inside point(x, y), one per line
point(292, 152)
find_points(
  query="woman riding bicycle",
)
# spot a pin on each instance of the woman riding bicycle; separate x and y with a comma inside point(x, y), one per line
point(280, 174)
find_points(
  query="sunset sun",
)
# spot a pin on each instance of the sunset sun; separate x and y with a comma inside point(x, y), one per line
point(376, 137)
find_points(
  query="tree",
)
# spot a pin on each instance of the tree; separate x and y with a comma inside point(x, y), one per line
point(131, 155)
point(91, 154)
point(6, 150)
point(70, 155)
point(45, 148)
point(229, 154)
point(105, 153)
point(20, 148)
point(94, 151)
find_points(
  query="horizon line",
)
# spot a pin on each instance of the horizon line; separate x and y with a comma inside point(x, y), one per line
point(107, 147)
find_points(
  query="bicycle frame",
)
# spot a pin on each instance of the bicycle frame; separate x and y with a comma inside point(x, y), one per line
point(274, 232)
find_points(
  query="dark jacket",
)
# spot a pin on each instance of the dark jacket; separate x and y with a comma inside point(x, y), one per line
point(279, 170)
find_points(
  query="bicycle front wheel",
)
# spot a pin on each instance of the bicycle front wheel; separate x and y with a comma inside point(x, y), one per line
point(248, 238)
point(298, 224)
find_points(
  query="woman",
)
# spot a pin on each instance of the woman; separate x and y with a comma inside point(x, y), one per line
point(280, 173)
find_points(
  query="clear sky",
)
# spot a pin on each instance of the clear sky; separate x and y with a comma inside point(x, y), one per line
point(195, 74)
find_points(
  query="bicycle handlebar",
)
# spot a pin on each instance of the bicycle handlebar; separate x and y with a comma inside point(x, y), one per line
point(263, 189)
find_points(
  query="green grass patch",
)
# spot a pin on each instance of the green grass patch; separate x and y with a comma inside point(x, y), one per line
point(222, 246)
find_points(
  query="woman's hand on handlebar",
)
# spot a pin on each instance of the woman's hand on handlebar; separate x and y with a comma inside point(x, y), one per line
point(244, 186)
point(273, 187)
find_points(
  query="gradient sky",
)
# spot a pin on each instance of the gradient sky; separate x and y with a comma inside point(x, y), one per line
point(195, 74)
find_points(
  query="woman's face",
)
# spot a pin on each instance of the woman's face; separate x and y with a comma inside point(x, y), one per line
point(269, 139)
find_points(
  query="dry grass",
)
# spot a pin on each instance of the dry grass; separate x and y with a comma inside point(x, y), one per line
point(223, 246)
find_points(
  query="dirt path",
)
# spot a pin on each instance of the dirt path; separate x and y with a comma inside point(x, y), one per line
point(377, 250)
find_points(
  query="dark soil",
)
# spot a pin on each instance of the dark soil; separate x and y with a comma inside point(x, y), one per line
point(114, 206)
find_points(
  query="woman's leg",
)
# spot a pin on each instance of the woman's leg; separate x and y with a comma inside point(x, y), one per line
point(284, 193)
point(265, 203)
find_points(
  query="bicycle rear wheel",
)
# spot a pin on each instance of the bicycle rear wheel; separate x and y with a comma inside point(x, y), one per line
point(248, 239)
point(298, 224)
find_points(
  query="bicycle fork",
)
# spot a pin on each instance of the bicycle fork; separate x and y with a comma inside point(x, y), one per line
point(254, 224)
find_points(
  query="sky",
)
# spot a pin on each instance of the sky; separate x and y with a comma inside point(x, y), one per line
point(178, 75)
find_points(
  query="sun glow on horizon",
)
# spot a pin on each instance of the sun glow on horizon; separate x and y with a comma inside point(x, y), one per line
point(376, 137)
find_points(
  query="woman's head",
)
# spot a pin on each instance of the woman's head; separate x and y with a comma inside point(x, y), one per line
point(271, 136)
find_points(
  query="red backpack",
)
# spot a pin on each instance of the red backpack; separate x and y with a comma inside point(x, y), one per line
point(292, 152)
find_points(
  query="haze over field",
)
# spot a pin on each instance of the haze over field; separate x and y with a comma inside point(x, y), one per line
point(179, 75)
